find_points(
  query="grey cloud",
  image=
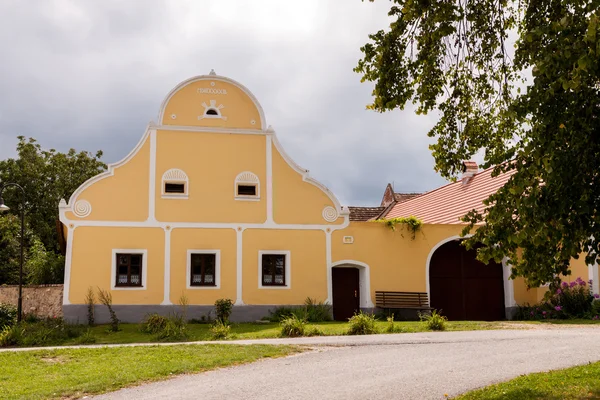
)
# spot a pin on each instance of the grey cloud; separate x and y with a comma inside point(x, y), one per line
point(91, 75)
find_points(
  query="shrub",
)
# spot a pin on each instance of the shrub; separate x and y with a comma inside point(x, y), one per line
point(391, 327)
point(184, 302)
point(106, 298)
point(434, 321)
point(87, 338)
point(293, 327)
point(90, 300)
point(46, 332)
point(362, 324)
point(314, 331)
point(11, 335)
point(8, 315)
point(165, 328)
point(219, 330)
point(317, 311)
point(223, 308)
point(281, 313)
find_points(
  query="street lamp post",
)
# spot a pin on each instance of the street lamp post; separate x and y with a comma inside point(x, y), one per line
point(4, 207)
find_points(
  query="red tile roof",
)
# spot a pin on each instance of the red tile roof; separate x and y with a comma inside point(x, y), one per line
point(449, 203)
point(364, 213)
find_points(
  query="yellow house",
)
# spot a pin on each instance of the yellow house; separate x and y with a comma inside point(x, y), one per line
point(208, 205)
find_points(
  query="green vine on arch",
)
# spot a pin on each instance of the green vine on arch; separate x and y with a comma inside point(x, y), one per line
point(412, 223)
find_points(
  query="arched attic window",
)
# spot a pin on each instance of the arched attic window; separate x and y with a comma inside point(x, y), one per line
point(247, 187)
point(175, 184)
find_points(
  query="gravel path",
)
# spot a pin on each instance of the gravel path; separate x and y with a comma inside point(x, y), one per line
point(404, 366)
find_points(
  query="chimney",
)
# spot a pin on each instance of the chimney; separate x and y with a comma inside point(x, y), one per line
point(469, 170)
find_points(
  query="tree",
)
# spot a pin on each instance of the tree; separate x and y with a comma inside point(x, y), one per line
point(46, 176)
point(533, 112)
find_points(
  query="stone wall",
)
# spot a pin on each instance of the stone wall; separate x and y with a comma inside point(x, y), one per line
point(44, 301)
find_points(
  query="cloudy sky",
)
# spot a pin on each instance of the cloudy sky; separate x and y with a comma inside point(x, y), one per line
point(92, 74)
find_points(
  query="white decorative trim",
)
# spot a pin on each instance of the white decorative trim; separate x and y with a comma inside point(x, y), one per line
point(113, 277)
point(68, 261)
point(110, 170)
point(250, 179)
point(288, 268)
point(509, 291)
point(152, 179)
point(212, 78)
point(188, 273)
point(593, 276)
point(177, 176)
point(82, 208)
point(213, 106)
point(307, 178)
point(330, 214)
point(239, 267)
point(167, 269)
point(364, 281)
point(269, 172)
point(207, 129)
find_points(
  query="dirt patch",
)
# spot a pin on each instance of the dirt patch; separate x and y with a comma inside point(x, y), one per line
point(55, 360)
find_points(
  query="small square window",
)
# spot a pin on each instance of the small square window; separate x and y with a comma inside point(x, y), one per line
point(175, 188)
point(246, 190)
point(129, 270)
point(273, 270)
point(203, 269)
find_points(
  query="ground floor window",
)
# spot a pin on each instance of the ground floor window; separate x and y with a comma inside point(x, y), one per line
point(129, 269)
point(203, 269)
point(274, 268)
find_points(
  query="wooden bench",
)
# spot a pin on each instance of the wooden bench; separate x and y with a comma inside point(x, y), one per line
point(402, 300)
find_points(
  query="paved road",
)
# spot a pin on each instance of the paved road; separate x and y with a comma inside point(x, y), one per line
point(405, 366)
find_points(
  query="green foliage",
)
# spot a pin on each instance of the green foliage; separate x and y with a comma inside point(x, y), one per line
point(90, 301)
point(164, 328)
point(219, 330)
point(312, 311)
point(8, 314)
point(105, 298)
point(50, 331)
point(10, 245)
point(362, 324)
point(43, 267)
point(391, 327)
point(184, 302)
point(46, 176)
point(434, 320)
point(570, 300)
point(293, 327)
point(455, 58)
point(413, 224)
point(86, 338)
point(223, 308)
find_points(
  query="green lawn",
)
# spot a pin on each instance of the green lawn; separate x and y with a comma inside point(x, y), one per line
point(573, 383)
point(130, 333)
point(73, 373)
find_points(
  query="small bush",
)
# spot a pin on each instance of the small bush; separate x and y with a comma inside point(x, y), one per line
point(153, 323)
point(8, 315)
point(90, 300)
point(391, 327)
point(223, 308)
point(362, 324)
point(314, 331)
point(219, 330)
point(434, 321)
point(11, 335)
point(281, 313)
point(293, 327)
point(317, 311)
point(106, 298)
point(87, 338)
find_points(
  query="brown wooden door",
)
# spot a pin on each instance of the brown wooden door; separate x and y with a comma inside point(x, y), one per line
point(346, 297)
point(464, 288)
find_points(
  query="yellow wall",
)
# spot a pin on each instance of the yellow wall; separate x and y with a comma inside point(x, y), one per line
point(308, 265)
point(183, 240)
point(397, 262)
point(92, 261)
point(123, 196)
point(211, 162)
point(186, 105)
point(296, 201)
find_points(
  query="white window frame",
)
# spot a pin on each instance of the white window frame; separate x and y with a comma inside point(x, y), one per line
point(188, 274)
point(246, 178)
point(113, 278)
point(288, 269)
point(179, 177)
